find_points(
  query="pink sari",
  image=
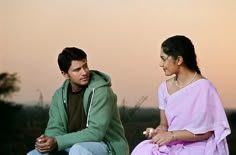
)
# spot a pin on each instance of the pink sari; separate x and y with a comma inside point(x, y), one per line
point(198, 109)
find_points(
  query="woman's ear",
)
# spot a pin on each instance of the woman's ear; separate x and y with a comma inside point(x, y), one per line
point(180, 60)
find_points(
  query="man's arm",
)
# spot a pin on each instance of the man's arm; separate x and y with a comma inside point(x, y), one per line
point(100, 116)
point(56, 123)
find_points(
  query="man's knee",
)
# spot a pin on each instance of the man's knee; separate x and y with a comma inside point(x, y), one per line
point(78, 149)
point(35, 152)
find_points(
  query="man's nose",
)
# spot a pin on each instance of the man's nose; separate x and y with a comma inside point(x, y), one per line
point(84, 70)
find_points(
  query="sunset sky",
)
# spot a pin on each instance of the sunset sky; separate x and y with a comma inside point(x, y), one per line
point(121, 37)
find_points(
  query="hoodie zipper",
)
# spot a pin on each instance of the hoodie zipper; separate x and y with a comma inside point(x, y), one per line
point(90, 104)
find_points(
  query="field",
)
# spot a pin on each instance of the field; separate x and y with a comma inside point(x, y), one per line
point(20, 125)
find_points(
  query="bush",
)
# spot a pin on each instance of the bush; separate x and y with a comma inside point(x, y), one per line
point(20, 125)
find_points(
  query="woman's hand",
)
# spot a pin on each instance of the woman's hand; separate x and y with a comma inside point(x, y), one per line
point(150, 132)
point(163, 138)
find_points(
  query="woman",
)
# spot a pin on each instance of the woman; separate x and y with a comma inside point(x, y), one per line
point(192, 118)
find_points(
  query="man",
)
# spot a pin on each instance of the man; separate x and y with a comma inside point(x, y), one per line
point(83, 116)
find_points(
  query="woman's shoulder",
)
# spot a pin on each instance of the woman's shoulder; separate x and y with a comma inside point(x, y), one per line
point(203, 81)
point(164, 84)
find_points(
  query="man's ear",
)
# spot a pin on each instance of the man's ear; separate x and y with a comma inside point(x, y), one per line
point(180, 60)
point(64, 74)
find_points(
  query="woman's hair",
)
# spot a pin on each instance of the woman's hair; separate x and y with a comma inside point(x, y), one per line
point(67, 55)
point(181, 46)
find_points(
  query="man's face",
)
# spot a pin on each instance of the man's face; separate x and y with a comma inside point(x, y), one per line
point(78, 73)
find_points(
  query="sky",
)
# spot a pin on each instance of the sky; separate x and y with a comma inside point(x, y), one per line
point(121, 38)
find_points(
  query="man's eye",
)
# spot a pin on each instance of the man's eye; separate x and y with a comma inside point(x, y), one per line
point(76, 70)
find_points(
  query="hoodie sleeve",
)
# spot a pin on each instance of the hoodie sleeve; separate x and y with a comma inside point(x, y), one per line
point(56, 123)
point(102, 107)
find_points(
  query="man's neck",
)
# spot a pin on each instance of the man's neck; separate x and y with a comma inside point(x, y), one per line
point(75, 88)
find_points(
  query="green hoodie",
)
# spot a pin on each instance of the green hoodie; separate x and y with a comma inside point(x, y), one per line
point(103, 120)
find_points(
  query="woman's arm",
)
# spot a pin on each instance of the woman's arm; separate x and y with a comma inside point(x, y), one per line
point(163, 121)
point(161, 136)
point(170, 136)
point(189, 136)
point(162, 127)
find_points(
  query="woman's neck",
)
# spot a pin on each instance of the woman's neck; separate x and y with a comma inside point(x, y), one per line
point(185, 78)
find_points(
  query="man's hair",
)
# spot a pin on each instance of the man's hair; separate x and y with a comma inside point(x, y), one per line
point(67, 55)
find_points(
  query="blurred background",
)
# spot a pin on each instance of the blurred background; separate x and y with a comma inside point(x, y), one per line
point(121, 38)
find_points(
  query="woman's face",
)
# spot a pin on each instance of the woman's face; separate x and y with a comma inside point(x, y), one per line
point(168, 64)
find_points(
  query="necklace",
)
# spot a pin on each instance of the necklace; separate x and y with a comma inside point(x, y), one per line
point(186, 83)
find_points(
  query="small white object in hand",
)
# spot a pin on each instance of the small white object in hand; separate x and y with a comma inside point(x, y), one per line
point(151, 131)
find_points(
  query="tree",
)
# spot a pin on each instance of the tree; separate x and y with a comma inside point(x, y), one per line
point(8, 84)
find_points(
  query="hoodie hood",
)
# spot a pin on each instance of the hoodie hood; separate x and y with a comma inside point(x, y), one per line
point(97, 79)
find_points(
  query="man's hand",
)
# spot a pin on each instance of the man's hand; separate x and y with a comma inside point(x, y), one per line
point(45, 144)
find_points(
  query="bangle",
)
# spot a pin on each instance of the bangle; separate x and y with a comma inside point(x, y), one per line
point(172, 135)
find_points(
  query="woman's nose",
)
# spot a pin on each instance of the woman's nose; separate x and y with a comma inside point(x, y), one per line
point(161, 64)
